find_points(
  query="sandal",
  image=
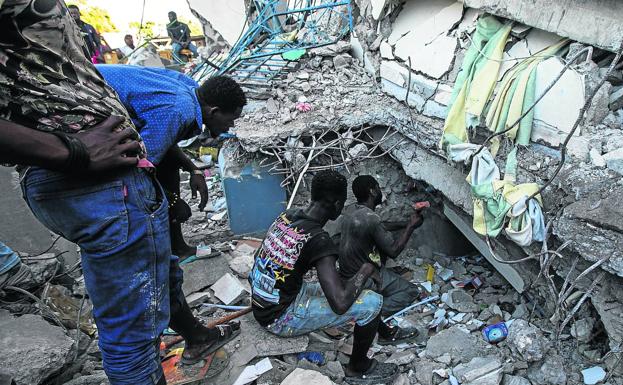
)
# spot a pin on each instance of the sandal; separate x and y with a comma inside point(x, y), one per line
point(377, 373)
point(228, 332)
point(401, 335)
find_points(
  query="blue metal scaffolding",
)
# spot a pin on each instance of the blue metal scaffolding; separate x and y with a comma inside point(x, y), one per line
point(276, 28)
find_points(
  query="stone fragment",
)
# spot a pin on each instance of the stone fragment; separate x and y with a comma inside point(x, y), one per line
point(264, 343)
point(596, 158)
point(614, 160)
point(616, 99)
point(526, 341)
point(515, 380)
point(335, 371)
point(582, 329)
point(401, 358)
point(480, 371)
point(460, 300)
point(242, 263)
point(196, 299)
point(32, 349)
point(460, 345)
point(279, 372)
point(203, 273)
point(358, 150)
point(594, 375)
point(578, 147)
point(551, 372)
point(402, 379)
point(98, 378)
point(272, 106)
point(424, 371)
point(302, 377)
point(228, 289)
point(342, 60)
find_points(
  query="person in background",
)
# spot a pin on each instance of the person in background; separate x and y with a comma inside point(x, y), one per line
point(180, 37)
point(90, 35)
point(128, 48)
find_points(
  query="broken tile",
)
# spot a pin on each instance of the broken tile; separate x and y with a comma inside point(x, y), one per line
point(228, 289)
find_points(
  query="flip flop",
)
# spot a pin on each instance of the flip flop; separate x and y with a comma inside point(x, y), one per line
point(402, 335)
point(223, 339)
point(377, 373)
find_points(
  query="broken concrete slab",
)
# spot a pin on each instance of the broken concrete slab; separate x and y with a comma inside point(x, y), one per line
point(196, 299)
point(33, 350)
point(538, 39)
point(550, 372)
point(203, 273)
point(460, 300)
point(266, 344)
point(401, 358)
point(596, 158)
point(568, 91)
point(386, 51)
point(526, 341)
point(280, 371)
point(98, 378)
point(605, 213)
point(377, 8)
point(228, 289)
point(616, 99)
point(458, 343)
point(614, 160)
point(415, 13)
point(480, 371)
point(515, 380)
point(302, 376)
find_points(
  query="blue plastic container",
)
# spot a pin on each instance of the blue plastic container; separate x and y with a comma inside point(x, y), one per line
point(254, 197)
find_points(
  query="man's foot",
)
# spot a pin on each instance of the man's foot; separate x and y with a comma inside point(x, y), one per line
point(19, 276)
point(376, 373)
point(398, 336)
point(198, 349)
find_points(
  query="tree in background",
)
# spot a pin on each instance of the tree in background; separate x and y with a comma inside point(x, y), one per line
point(96, 16)
point(193, 25)
point(147, 31)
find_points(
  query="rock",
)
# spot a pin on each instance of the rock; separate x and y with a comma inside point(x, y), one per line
point(242, 265)
point(402, 379)
point(358, 150)
point(582, 329)
point(461, 301)
point(228, 289)
point(342, 60)
point(32, 349)
point(459, 344)
point(614, 160)
point(272, 106)
point(43, 268)
point(280, 371)
point(203, 273)
point(92, 379)
point(551, 372)
point(515, 380)
point(480, 371)
point(592, 376)
point(596, 158)
point(196, 299)
point(301, 377)
point(578, 147)
point(424, 371)
point(616, 99)
point(401, 358)
point(335, 371)
point(526, 341)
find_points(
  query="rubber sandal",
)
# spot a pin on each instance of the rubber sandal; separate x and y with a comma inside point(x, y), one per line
point(214, 346)
point(377, 373)
point(401, 336)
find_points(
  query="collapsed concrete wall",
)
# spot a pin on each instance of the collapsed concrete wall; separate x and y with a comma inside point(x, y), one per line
point(414, 51)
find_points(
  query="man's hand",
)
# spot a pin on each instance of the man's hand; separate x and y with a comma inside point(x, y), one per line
point(198, 183)
point(108, 148)
point(180, 211)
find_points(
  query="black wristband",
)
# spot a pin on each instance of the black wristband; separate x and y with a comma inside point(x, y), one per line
point(79, 159)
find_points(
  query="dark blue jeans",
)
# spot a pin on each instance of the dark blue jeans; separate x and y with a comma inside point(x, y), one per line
point(121, 225)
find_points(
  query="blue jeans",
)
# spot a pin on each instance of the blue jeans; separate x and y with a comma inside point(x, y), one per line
point(311, 311)
point(8, 258)
point(176, 48)
point(121, 225)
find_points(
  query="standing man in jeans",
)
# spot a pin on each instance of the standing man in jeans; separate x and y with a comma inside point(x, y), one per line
point(180, 37)
point(85, 176)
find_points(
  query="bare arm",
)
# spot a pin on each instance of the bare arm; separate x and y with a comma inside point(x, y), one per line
point(106, 148)
point(385, 242)
point(197, 180)
point(342, 294)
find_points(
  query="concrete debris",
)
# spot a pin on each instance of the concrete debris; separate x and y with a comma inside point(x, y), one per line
point(550, 372)
point(480, 371)
point(515, 380)
point(386, 51)
point(32, 349)
point(616, 99)
point(301, 376)
point(414, 15)
point(342, 60)
point(228, 289)
point(614, 160)
point(401, 358)
point(526, 341)
point(582, 329)
point(196, 299)
point(538, 40)
point(242, 261)
point(596, 158)
point(458, 343)
point(203, 273)
point(98, 378)
point(460, 300)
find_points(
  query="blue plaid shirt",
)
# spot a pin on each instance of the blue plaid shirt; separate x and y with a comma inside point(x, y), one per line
point(162, 103)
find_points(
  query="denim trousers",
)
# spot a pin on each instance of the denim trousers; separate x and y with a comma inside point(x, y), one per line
point(8, 258)
point(121, 224)
point(176, 48)
point(311, 311)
